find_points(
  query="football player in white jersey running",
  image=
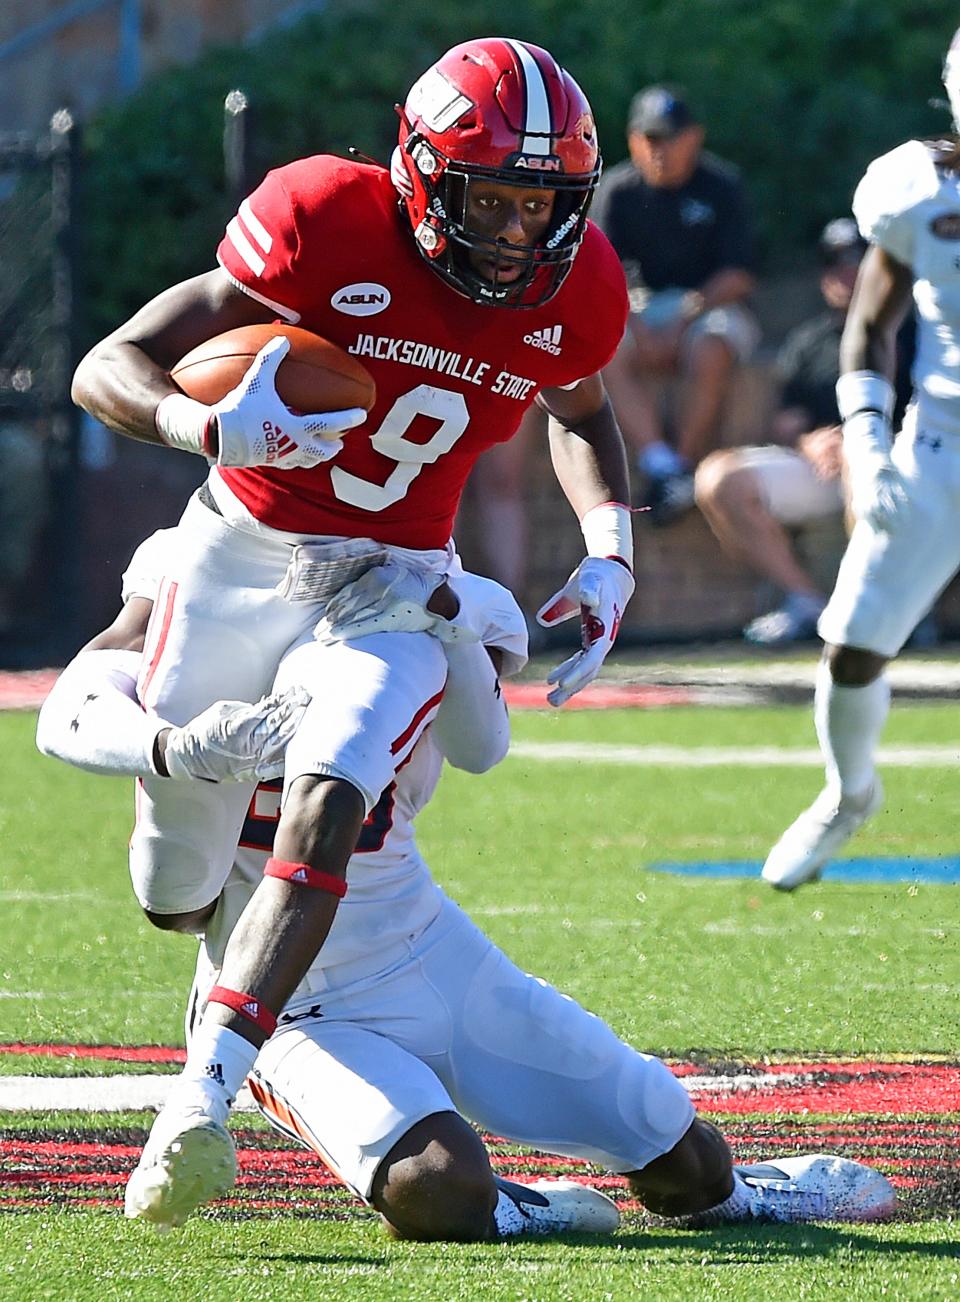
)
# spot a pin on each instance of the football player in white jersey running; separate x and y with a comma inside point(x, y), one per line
point(905, 546)
point(413, 1020)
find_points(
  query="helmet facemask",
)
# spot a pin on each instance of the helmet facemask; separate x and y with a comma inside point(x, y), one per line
point(445, 238)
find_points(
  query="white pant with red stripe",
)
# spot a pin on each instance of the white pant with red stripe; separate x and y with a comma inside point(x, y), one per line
point(221, 631)
point(446, 1023)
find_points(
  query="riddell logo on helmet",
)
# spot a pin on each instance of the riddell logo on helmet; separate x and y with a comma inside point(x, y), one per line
point(548, 339)
point(365, 298)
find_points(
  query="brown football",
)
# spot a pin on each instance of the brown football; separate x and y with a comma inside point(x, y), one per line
point(315, 375)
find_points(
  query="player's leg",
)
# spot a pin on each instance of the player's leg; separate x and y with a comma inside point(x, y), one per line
point(734, 492)
point(711, 349)
point(182, 847)
point(371, 701)
point(533, 1065)
point(708, 367)
point(382, 1121)
point(379, 1116)
point(887, 581)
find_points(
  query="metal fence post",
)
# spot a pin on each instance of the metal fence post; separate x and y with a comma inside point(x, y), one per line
point(62, 357)
point(236, 145)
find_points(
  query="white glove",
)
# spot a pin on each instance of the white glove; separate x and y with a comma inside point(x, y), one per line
point(233, 741)
point(877, 492)
point(597, 590)
point(389, 598)
point(258, 429)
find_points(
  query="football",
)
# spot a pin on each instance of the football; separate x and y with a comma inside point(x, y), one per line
point(315, 375)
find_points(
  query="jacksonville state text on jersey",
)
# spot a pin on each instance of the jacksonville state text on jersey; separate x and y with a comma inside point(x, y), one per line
point(323, 242)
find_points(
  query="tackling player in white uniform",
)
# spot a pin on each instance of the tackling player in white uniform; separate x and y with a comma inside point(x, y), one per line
point(413, 1020)
point(905, 546)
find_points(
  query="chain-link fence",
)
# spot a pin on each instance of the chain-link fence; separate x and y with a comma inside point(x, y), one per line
point(37, 422)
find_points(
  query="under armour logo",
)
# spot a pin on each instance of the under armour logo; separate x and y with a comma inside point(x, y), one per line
point(75, 721)
point(932, 441)
point(315, 1010)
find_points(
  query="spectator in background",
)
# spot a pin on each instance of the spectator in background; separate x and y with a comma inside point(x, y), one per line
point(23, 494)
point(752, 496)
point(679, 221)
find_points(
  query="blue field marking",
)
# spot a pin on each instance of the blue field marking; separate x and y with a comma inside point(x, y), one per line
point(937, 872)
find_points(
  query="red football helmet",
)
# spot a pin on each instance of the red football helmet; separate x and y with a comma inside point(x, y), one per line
point(498, 110)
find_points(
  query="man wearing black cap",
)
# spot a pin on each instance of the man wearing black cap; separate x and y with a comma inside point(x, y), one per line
point(752, 496)
point(678, 219)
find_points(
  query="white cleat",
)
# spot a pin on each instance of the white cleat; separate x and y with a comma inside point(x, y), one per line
point(814, 838)
point(817, 1187)
point(561, 1207)
point(188, 1160)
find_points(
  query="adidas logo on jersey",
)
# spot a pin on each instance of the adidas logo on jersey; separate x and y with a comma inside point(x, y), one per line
point(548, 339)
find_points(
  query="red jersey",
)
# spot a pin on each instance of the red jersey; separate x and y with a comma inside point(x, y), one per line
point(324, 243)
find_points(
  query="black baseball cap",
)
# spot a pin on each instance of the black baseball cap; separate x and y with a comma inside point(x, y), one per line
point(841, 242)
point(660, 111)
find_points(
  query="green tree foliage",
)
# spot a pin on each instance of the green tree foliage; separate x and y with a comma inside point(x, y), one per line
point(799, 95)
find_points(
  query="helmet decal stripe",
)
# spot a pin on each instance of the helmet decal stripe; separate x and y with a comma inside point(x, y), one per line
point(538, 126)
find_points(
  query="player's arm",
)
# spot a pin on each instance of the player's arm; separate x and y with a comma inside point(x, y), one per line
point(880, 301)
point(472, 727)
point(93, 720)
point(124, 382)
point(123, 379)
point(591, 465)
point(865, 393)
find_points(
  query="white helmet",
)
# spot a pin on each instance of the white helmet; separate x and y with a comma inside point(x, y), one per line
point(951, 77)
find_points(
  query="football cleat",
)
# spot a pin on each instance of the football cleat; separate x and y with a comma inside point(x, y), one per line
point(189, 1159)
point(817, 1187)
point(815, 837)
point(561, 1207)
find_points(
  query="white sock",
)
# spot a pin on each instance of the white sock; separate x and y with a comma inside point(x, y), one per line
point(849, 721)
point(508, 1218)
point(658, 460)
point(218, 1062)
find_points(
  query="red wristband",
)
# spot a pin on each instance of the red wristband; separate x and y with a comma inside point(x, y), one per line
point(303, 874)
point(246, 1005)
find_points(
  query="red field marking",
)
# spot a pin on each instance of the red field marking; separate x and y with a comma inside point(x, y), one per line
point(599, 696)
point(25, 690)
point(900, 1117)
point(106, 1052)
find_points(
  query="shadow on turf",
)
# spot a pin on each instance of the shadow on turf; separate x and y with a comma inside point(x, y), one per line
point(772, 1241)
point(721, 1246)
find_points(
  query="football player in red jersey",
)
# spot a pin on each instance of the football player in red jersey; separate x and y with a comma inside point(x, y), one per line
point(469, 281)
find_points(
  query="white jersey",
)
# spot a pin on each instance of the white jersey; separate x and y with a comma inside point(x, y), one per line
point(910, 206)
point(391, 895)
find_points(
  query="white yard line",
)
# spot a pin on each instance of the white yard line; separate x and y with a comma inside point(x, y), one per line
point(709, 757)
point(145, 1093)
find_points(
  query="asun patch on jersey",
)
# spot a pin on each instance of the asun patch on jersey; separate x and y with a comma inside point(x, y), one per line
point(365, 298)
point(548, 339)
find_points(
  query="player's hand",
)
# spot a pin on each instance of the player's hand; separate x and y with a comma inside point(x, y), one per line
point(389, 598)
point(598, 590)
point(879, 497)
point(233, 741)
point(256, 428)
